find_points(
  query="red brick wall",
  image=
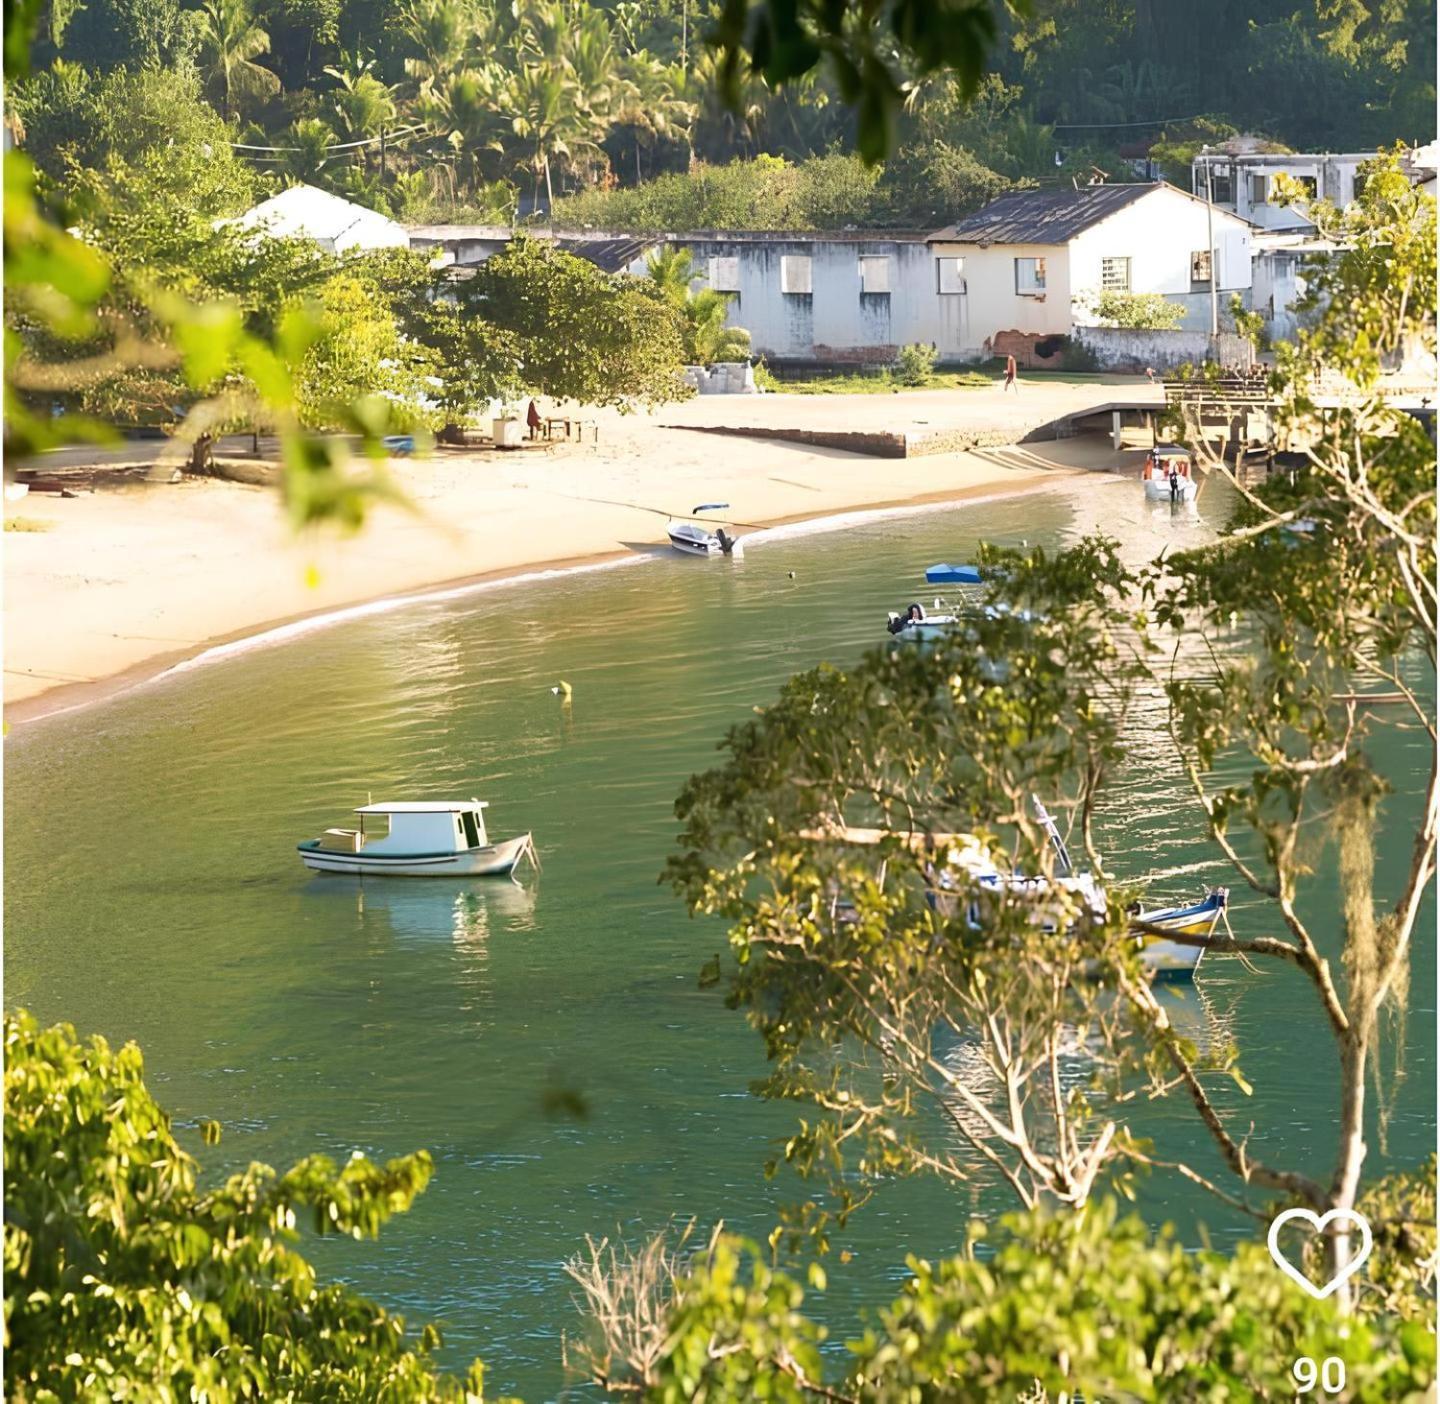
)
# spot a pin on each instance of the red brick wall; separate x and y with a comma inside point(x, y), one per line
point(1021, 345)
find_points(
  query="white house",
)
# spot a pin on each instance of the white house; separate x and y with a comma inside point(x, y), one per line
point(304, 212)
point(1030, 265)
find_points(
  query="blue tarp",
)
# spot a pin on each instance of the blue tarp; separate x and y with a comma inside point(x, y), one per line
point(953, 575)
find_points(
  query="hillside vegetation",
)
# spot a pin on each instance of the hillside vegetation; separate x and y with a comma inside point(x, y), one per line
point(608, 112)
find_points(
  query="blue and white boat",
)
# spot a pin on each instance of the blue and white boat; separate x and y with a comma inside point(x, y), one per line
point(916, 625)
point(959, 867)
point(423, 838)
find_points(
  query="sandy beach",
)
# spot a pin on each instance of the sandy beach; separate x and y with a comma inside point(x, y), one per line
point(109, 588)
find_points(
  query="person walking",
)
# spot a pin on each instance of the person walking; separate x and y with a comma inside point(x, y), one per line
point(1012, 372)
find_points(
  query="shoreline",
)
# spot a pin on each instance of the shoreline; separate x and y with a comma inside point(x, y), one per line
point(70, 696)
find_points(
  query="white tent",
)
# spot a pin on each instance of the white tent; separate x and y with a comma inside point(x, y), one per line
point(303, 212)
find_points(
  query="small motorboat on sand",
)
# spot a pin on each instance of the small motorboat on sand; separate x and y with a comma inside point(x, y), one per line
point(697, 538)
point(425, 838)
point(1169, 474)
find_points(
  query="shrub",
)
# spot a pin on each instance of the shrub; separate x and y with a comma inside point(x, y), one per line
point(123, 1279)
point(915, 364)
point(1138, 311)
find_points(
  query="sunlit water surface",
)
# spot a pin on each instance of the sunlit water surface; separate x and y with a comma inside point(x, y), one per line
point(153, 892)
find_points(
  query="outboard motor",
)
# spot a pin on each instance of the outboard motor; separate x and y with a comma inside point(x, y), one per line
point(894, 623)
point(1174, 482)
point(727, 543)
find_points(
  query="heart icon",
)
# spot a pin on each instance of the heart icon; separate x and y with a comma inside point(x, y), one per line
point(1319, 1222)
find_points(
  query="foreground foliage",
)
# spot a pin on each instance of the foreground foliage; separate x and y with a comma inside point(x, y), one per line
point(1056, 1306)
point(124, 1279)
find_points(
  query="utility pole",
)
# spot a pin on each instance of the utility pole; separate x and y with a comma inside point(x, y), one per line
point(1214, 261)
point(685, 36)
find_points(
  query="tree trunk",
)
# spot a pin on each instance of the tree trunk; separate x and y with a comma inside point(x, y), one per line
point(549, 192)
point(202, 454)
point(1345, 1187)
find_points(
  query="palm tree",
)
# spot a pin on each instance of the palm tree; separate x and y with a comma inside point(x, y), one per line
point(469, 107)
point(364, 105)
point(707, 338)
point(230, 41)
point(446, 36)
point(544, 114)
point(651, 106)
point(309, 142)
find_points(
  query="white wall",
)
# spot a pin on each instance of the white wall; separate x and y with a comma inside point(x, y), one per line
point(1159, 233)
point(991, 303)
point(837, 322)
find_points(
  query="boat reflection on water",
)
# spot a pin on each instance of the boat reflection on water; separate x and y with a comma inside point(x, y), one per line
point(464, 914)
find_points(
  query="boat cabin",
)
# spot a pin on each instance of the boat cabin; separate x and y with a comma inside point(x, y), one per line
point(1164, 458)
point(414, 828)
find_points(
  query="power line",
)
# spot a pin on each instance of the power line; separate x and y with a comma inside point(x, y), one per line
point(338, 146)
point(1148, 122)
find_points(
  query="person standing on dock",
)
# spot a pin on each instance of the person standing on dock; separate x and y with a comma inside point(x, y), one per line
point(1012, 372)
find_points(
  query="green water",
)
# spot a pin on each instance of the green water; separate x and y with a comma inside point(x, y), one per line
point(152, 892)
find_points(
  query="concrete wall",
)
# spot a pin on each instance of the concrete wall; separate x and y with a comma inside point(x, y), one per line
point(1118, 348)
point(1279, 283)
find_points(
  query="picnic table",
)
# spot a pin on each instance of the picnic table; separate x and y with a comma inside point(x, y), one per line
point(574, 428)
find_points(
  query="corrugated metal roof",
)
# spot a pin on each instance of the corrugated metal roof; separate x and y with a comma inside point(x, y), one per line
point(611, 254)
point(1043, 216)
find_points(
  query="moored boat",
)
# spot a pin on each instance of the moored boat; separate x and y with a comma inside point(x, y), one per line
point(1161, 956)
point(425, 838)
point(697, 539)
point(1169, 474)
point(916, 625)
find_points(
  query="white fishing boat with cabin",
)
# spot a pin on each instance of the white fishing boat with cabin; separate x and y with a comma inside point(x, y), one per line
point(424, 838)
point(1169, 474)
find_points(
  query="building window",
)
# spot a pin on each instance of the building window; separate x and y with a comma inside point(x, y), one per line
point(875, 275)
point(795, 274)
point(725, 274)
point(1357, 185)
point(1308, 185)
point(1200, 266)
point(1030, 276)
point(948, 276)
point(1222, 192)
point(1114, 275)
point(1257, 189)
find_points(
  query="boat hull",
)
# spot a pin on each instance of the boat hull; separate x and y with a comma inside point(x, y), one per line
point(493, 860)
point(691, 547)
point(927, 630)
point(1162, 958)
point(1158, 490)
point(1172, 959)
